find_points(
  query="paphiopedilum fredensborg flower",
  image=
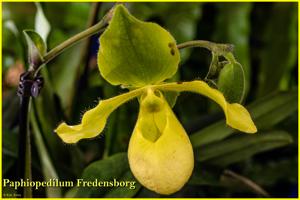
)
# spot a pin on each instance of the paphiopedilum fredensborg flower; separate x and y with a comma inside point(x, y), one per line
point(160, 153)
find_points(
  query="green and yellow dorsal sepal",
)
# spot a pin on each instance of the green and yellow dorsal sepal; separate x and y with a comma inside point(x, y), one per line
point(136, 53)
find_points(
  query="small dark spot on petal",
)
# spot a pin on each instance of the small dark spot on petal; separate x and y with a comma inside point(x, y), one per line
point(171, 44)
point(172, 52)
point(179, 82)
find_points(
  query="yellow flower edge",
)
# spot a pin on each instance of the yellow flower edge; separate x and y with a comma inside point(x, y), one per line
point(164, 161)
point(236, 115)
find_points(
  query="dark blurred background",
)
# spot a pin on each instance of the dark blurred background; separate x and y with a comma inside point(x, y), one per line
point(265, 38)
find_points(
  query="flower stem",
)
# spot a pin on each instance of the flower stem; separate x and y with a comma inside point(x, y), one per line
point(247, 182)
point(219, 49)
point(97, 28)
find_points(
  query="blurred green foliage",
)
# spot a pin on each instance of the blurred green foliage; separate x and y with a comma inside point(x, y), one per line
point(265, 39)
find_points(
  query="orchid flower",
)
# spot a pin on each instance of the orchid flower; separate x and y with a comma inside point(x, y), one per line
point(143, 55)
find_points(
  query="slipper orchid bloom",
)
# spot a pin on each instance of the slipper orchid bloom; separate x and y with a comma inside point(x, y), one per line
point(143, 55)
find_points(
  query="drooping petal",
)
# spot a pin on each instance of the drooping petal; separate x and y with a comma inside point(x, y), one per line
point(160, 153)
point(94, 120)
point(236, 115)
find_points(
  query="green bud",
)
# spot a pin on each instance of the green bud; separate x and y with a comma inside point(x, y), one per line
point(231, 82)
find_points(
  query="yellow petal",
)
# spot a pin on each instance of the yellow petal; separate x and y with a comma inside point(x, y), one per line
point(236, 115)
point(160, 153)
point(94, 120)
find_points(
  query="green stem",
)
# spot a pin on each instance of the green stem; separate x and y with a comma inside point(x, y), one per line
point(71, 41)
point(97, 28)
point(28, 172)
point(219, 49)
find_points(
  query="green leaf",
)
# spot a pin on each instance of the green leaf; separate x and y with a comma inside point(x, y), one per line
point(114, 167)
point(279, 55)
point(49, 171)
point(274, 108)
point(242, 147)
point(136, 53)
point(36, 47)
point(42, 25)
point(231, 82)
point(265, 112)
